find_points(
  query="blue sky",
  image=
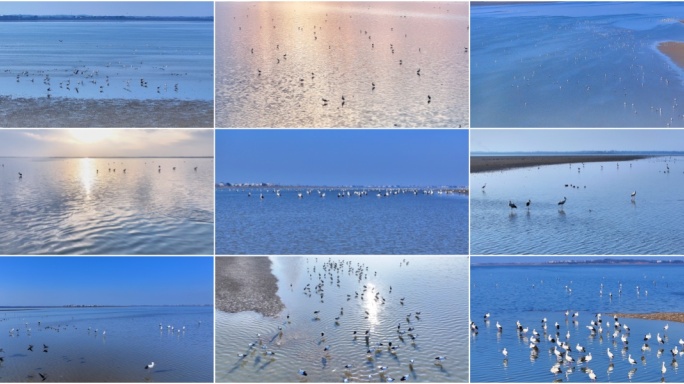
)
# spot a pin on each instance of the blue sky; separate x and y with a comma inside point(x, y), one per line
point(108, 8)
point(564, 140)
point(27, 281)
point(343, 157)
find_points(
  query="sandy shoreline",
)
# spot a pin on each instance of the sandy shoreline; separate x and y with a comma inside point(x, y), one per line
point(247, 284)
point(674, 50)
point(498, 163)
point(665, 316)
point(110, 113)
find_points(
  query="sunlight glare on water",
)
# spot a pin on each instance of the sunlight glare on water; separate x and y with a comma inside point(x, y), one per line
point(433, 310)
point(342, 64)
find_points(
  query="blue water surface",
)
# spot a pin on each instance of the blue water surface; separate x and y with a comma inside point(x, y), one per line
point(531, 293)
point(107, 344)
point(399, 224)
point(107, 59)
point(572, 64)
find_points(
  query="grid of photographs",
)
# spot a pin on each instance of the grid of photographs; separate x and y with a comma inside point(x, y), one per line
point(200, 191)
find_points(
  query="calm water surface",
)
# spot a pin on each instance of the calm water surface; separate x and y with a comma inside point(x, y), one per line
point(530, 293)
point(77, 206)
point(399, 224)
point(106, 74)
point(107, 59)
point(308, 52)
point(598, 219)
point(423, 282)
point(576, 64)
point(107, 344)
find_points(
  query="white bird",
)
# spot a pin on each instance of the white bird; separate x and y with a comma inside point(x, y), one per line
point(610, 354)
point(505, 353)
point(631, 360)
point(633, 195)
point(663, 369)
point(150, 365)
point(586, 359)
point(592, 375)
point(556, 369)
point(660, 339)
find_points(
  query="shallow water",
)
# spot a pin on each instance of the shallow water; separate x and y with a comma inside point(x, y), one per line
point(400, 224)
point(106, 73)
point(340, 49)
point(530, 293)
point(598, 219)
point(65, 206)
point(576, 65)
point(439, 330)
point(107, 344)
point(107, 59)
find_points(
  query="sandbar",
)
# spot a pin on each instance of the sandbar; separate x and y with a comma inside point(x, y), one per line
point(665, 316)
point(674, 50)
point(109, 113)
point(247, 284)
point(498, 163)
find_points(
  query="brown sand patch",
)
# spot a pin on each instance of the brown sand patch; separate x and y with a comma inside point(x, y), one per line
point(674, 50)
point(247, 284)
point(665, 316)
point(109, 113)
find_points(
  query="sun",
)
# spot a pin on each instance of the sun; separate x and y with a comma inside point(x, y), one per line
point(91, 135)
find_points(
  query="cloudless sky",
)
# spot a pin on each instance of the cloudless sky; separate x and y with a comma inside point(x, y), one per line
point(28, 281)
point(108, 8)
point(91, 142)
point(343, 157)
point(563, 140)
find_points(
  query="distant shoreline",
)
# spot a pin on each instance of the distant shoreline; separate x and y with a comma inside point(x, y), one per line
point(563, 263)
point(446, 190)
point(30, 18)
point(664, 316)
point(498, 163)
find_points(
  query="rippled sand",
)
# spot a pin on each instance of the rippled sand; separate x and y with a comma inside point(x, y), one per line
point(247, 284)
point(65, 112)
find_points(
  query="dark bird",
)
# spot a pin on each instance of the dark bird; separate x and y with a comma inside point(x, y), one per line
point(429, 99)
point(20, 175)
point(42, 376)
point(562, 202)
point(30, 348)
point(528, 203)
point(513, 206)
